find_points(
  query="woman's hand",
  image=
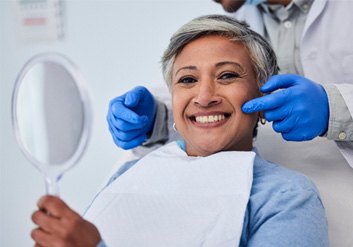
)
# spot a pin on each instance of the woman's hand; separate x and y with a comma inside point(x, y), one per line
point(59, 225)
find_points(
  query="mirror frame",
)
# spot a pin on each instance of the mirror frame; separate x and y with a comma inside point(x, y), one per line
point(74, 72)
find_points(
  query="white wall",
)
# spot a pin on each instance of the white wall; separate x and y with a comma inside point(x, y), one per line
point(117, 45)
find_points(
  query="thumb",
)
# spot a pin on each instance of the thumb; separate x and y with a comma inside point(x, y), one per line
point(132, 99)
point(55, 206)
point(135, 96)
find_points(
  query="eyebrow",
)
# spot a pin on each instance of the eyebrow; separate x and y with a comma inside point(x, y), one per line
point(220, 64)
point(187, 68)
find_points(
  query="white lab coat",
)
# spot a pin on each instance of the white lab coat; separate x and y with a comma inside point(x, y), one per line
point(326, 48)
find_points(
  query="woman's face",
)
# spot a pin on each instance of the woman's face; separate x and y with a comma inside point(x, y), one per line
point(212, 78)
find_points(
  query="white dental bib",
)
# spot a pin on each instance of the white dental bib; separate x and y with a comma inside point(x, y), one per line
point(170, 199)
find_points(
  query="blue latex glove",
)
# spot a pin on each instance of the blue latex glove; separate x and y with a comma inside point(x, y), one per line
point(299, 111)
point(131, 117)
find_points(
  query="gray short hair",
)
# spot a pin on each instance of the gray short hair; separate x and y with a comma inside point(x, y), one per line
point(261, 54)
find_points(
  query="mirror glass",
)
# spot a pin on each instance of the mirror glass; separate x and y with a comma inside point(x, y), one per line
point(51, 115)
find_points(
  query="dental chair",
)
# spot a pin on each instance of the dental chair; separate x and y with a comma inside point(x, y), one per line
point(328, 170)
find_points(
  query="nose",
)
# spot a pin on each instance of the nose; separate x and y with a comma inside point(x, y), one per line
point(207, 95)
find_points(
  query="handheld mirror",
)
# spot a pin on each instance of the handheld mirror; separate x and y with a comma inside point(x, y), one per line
point(51, 115)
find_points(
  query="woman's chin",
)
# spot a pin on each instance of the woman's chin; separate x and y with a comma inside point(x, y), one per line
point(204, 149)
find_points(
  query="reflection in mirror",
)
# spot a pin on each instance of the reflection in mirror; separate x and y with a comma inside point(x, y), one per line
point(51, 115)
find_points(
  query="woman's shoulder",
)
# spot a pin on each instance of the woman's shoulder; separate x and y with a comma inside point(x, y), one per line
point(276, 178)
point(282, 201)
point(275, 186)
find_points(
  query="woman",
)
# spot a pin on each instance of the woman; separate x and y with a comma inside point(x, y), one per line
point(208, 189)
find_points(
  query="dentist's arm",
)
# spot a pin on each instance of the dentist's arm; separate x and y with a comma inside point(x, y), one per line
point(299, 111)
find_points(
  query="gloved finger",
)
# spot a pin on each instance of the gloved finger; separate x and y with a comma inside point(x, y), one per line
point(130, 144)
point(279, 81)
point(134, 96)
point(278, 114)
point(127, 136)
point(267, 102)
point(117, 141)
point(126, 126)
point(284, 126)
point(112, 130)
point(124, 113)
point(298, 135)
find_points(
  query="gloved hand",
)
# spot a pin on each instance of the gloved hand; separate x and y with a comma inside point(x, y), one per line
point(300, 111)
point(131, 117)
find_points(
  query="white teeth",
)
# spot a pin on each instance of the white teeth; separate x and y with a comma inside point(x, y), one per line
point(209, 119)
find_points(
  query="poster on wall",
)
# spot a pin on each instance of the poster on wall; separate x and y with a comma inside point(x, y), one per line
point(40, 20)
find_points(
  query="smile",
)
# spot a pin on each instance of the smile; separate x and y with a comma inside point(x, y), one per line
point(208, 119)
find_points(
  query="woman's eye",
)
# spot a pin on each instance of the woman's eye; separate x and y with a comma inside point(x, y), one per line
point(229, 75)
point(187, 80)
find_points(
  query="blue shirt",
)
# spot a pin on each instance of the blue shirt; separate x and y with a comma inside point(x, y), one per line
point(284, 208)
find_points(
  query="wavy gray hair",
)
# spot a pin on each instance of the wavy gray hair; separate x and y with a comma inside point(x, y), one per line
point(261, 54)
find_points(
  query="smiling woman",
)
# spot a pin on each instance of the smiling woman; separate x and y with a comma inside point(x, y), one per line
point(211, 188)
point(212, 67)
point(212, 78)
